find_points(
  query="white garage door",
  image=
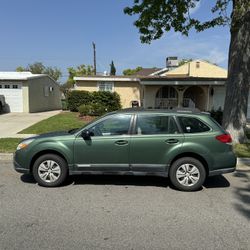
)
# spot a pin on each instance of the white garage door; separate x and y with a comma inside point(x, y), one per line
point(13, 94)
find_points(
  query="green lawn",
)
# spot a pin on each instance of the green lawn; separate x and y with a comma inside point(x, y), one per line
point(8, 145)
point(60, 122)
point(242, 150)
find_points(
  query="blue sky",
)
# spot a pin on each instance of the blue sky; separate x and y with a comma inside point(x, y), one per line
point(60, 33)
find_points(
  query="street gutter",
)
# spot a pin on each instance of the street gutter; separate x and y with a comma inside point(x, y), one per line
point(241, 162)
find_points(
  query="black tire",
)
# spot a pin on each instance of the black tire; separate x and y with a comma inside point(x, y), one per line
point(199, 175)
point(58, 163)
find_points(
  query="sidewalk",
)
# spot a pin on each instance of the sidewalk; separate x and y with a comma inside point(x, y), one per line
point(12, 123)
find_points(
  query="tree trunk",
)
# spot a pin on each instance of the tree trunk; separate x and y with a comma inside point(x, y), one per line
point(237, 84)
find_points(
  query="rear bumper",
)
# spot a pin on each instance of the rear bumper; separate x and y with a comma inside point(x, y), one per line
point(221, 171)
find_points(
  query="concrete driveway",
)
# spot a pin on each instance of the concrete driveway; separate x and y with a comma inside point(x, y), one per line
point(12, 123)
point(123, 212)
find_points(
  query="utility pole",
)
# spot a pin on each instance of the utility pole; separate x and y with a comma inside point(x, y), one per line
point(94, 58)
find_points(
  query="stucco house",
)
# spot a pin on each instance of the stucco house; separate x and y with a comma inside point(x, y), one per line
point(196, 84)
point(27, 92)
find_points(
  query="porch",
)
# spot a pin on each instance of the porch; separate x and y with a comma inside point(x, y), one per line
point(170, 97)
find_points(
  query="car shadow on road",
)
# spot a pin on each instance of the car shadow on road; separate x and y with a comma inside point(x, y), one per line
point(242, 193)
point(126, 180)
point(218, 181)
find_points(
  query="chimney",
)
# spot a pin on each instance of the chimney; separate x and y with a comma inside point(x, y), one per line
point(172, 62)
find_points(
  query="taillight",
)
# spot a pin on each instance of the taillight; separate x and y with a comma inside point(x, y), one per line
point(225, 138)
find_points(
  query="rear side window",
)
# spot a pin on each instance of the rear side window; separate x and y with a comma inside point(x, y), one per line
point(192, 125)
point(157, 124)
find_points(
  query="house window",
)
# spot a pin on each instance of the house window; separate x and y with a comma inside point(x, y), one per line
point(105, 86)
point(0, 86)
point(15, 86)
point(6, 86)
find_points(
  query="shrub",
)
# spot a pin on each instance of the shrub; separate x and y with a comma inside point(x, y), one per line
point(85, 110)
point(101, 101)
point(98, 109)
point(77, 98)
point(111, 101)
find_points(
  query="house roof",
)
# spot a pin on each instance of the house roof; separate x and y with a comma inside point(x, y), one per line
point(197, 68)
point(18, 76)
point(146, 71)
point(107, 78)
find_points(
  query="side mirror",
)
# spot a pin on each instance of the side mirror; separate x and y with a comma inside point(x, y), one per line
point(86, 134)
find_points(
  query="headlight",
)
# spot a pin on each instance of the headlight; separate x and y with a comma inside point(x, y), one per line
point(24, 144)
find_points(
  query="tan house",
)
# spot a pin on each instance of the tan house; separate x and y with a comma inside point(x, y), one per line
point(196, 84)
point(27, 92)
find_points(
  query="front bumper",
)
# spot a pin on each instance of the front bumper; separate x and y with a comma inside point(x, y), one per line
point(19, 168)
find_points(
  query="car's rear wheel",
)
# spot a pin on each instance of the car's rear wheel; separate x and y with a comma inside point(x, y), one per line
point(50, 170)
point(187, 174)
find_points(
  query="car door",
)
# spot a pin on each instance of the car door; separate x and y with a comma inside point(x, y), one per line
point(108, 146)
point(156, 138)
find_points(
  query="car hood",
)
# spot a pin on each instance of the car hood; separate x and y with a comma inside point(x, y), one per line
point(51, 134)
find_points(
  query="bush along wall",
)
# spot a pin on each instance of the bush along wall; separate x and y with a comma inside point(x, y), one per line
point(97, 103)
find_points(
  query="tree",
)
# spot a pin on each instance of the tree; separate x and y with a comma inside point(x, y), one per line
point(157, 17)
point(112, 69)
point(81, 70)
point(39, 68)
point(129, 72)
point(184, 61)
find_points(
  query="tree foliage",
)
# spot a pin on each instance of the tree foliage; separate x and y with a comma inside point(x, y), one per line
point(39, 68)
point(112, 69)
point(129, 72)
point(157, 17)
point(81, 70)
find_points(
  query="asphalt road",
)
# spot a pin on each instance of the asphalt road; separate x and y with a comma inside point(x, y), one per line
point(105, 212)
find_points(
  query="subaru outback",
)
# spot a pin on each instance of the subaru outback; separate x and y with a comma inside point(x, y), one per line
point(186, 146)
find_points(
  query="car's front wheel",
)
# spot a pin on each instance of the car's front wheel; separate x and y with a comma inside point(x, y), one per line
point(50, 170)
point(187, 174)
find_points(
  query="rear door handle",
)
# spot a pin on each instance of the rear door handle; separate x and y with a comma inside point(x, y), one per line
point(172, 141)
point(121, 142)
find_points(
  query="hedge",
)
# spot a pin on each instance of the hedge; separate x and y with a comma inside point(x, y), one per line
point(110, 101)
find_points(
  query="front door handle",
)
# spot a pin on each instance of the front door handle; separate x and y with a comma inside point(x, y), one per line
point(172, 141)
point(121, 142)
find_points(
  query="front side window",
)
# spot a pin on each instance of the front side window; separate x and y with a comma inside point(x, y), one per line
point(192, 125)
point(116, 125)
point(156, 124)
point(106, 86)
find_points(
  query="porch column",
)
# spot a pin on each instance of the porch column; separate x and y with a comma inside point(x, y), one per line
point(180, 91)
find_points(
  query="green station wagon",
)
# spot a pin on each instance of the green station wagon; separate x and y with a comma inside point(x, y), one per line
point(186, 146)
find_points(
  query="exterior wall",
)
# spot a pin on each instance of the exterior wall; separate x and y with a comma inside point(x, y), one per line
point(128, 91)
point(218, 97)
point(87, 86)
point(38, 102)
point(205, 69)
point(25, 97)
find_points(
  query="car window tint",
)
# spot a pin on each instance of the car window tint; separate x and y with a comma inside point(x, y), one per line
point(192, 125)
point(160, 124)
point(116, 125)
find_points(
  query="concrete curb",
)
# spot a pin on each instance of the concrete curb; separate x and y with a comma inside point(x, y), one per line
point(6, 156)
point(240, 161)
